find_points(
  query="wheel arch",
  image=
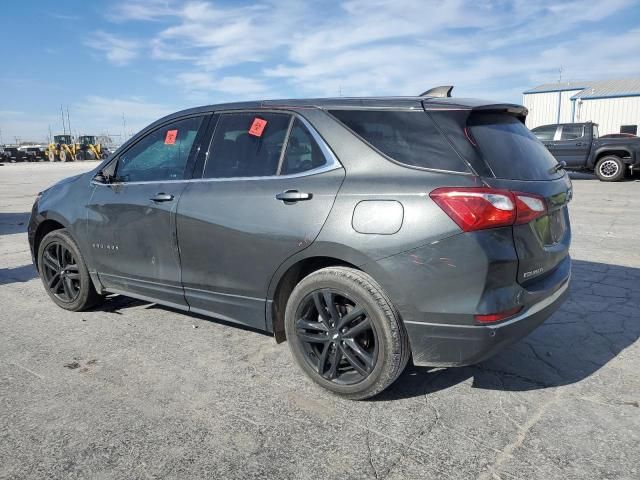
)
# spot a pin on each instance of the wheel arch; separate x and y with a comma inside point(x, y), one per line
point(290, 274)
point(619, 152)
point(46, 226)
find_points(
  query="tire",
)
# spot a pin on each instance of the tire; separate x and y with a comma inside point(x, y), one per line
point(610, 169)
point(79, 157)
point(383, 340)
point(64, 273)
point(89, 155)
point(52, 156)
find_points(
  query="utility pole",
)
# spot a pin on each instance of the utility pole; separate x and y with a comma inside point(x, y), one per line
point(560, 74)
point(68, 121)
point(64, 130)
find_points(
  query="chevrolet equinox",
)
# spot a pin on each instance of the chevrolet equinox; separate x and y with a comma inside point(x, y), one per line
point(365, 231)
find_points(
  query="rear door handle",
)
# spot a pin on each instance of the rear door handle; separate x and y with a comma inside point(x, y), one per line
point(162, 197)
point(292, 196)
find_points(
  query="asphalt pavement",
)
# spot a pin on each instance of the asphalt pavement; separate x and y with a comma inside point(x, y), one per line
point(135, 390)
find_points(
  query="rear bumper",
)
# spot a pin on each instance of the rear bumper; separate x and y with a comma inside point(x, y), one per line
point(458, 345)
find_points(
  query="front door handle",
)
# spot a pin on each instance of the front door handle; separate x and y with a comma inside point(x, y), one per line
point(162, 197)
point(579, 144)
point(292, 196)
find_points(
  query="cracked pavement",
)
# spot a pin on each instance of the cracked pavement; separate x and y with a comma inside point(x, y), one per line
point(133, 390)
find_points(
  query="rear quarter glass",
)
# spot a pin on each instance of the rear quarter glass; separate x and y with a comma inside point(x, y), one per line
point(410, 138)
point(499, 145)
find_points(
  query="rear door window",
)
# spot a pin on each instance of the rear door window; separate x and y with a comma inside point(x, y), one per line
point(571, 132)
point(303, 152)
point(247, 145)
point(407, 137)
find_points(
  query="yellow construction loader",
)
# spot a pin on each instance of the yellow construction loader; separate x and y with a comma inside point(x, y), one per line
point(88, 148)
point(62, 148)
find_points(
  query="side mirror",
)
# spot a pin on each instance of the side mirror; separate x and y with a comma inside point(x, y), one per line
point(102, 177)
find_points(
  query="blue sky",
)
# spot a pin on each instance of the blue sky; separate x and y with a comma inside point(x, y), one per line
point(145, 58)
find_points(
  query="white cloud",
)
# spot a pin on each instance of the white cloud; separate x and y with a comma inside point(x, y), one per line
point(118, 51)
point(362, 47)
point(132, 10)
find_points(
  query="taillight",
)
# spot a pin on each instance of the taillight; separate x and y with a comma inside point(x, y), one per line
point(481, 208)
point(529, 207)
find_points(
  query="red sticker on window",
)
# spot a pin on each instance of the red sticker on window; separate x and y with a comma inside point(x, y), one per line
point(170, 139)
point(257, 127)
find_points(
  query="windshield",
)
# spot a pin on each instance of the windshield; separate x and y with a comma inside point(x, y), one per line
point(87, 140)
point(66, 139)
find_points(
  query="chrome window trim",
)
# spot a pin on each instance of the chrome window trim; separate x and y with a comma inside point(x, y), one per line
point(332, 162)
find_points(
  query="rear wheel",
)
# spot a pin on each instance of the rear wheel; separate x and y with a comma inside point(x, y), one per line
point(610, 169)
point(345, 334)
point(79, 156)
point(64, 272)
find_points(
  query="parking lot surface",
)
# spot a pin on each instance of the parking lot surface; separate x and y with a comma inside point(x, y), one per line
point(134, 390)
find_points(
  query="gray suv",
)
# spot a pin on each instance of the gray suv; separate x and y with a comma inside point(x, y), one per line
point(365, 231)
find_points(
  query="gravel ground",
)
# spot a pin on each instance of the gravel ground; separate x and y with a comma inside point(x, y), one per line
point(134, 390)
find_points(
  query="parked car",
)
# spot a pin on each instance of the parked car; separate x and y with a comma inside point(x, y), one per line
point(34, 153)
point(363, 231)
point(578, 145)
point(15, 154)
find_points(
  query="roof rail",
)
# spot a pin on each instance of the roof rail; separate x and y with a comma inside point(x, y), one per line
point(442, 91)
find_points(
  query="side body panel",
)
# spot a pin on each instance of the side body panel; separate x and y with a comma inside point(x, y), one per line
point(66, 203)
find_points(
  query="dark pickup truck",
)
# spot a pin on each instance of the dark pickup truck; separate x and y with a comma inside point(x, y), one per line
point(579, 146)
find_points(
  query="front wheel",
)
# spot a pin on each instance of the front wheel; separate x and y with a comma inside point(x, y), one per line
point(345, 334)
point(64, 272)
point(610, 169)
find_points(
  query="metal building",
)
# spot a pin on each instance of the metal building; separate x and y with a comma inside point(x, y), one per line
point(613, 104)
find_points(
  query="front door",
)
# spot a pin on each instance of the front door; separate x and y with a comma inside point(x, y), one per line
point(132, 218)
point(255, 206)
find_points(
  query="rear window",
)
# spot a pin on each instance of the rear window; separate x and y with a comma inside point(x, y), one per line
point(409, 138)
point(509, 148)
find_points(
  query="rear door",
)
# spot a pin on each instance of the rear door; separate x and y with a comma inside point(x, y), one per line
point(508, 156)
point(266, 189)
point(572, 145)
point(521, 163)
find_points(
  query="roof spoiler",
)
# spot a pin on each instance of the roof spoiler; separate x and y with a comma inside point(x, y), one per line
point(442, 91)
point(512, 109)
point(518, 111)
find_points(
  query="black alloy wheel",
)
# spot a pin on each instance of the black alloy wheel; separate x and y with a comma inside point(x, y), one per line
point(345, 333)
point(338, 338)
point(60, 272)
